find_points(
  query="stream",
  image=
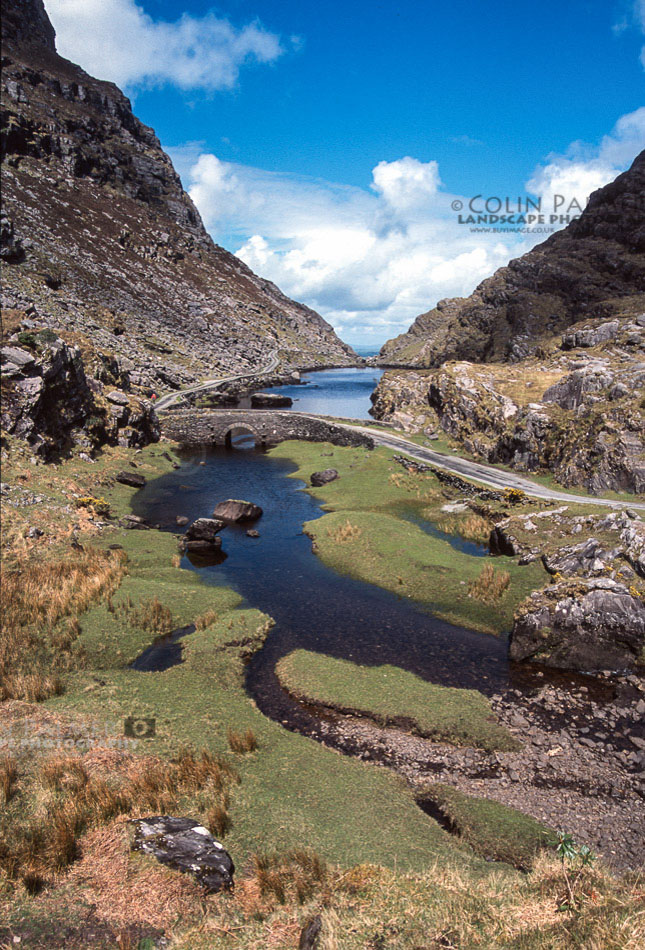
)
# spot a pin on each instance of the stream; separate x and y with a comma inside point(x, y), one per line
point(313, 606)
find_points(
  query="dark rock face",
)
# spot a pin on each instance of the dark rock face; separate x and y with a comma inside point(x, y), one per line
point(132, 479)
point(502, 543)
point(25, 22)
point(592, 624)
point(576, 272)
point(185, 845)
point(233, 510)
point(50, 402)
point(270, 401)
point(323, 478)
point(99, 239)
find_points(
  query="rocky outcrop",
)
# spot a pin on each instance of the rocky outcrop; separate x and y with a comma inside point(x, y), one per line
point(50, 402)
point(576, 413)
point(543, 366)
point(185, 845)
point(101, 243)
point(587, 270)
point(592, 624)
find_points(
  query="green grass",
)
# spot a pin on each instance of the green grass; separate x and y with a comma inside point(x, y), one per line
point(392, 696)
point(375, 495)
point(292, 788)
point(494, 831)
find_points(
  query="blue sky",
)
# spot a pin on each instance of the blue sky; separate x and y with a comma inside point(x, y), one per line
point(325, 142)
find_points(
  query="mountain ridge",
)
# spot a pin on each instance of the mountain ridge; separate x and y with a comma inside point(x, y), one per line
point(579, 272)
point(101, 243)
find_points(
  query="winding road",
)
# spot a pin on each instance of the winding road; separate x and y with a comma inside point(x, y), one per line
point(476, 471)
point(171, 399)
point(485, 474)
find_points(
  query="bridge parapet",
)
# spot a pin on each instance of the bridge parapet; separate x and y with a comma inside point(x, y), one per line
point(214, 427)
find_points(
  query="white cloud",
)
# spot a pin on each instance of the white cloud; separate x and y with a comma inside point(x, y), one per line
point(569, 179)
point(370, 260)
point(117, 40)
point(633, 17)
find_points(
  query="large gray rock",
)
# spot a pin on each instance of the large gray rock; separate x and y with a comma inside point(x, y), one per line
point(234, 510)
point(324, 477)
point(590, 336)
point(184, 844)
point(570, 392)
point(592, 624)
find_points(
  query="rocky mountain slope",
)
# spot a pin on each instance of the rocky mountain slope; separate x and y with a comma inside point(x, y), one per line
point(543, 367)
point(101, 244)
point(594, 268)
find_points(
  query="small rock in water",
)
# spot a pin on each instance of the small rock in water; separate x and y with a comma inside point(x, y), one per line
point(184, 844)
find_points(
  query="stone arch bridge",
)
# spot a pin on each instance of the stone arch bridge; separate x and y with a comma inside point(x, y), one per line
point(269, 427)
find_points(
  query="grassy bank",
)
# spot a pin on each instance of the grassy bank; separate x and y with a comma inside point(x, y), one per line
point(367, 534)
point(297, 818)
point(392, 696)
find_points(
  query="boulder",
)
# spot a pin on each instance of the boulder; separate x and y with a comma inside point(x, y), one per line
point(590, 624)
point(117, 398)
point(205, 529)
point(323, 478)
point(185, 845)
point(234, 510)
point(270, 401)
point(131, 479)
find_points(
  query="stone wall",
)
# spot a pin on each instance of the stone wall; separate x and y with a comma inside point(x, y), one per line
point(214, 426)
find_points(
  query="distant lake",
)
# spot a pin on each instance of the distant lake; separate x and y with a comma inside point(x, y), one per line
point(344, 393)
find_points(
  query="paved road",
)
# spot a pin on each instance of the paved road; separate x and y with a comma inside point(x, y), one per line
point(493, 477)
point(173, 398)
point(485, 474)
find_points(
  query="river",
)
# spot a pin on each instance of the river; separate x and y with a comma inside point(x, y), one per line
point(314, 607)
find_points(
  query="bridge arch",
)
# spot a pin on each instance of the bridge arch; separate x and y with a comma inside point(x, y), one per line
point(239, 433)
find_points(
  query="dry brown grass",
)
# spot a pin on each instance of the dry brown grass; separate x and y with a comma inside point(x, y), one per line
point(152, 616)
point(490, 586)
point(206, 619)
point(8, 777)
point(37, 596)
point(218, 820)
point(123, 893)
point(242, 742)
point(471, 527)
point(62, 799)
point(344, 533)
point(293, 875)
